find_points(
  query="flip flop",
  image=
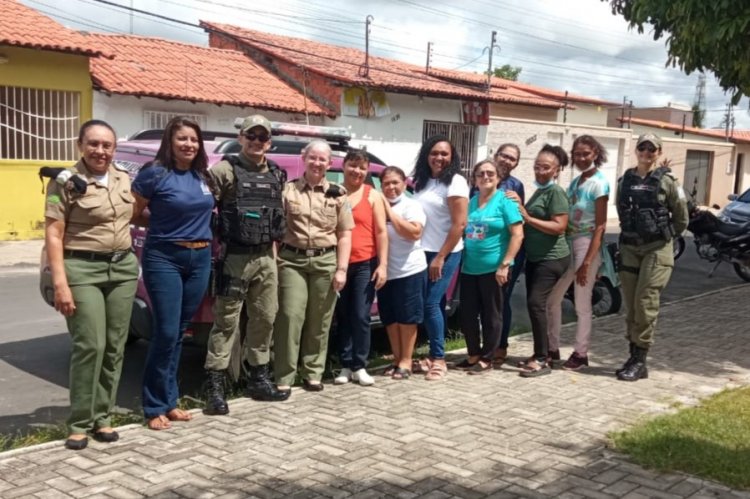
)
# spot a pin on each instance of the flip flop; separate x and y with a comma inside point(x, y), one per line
point(390, 370)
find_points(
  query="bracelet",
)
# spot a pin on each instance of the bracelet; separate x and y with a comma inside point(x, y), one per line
point(342, 269)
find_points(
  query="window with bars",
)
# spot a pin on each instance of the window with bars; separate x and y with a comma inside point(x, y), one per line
point(159, 119)
point(461, 136)
point(38, 124)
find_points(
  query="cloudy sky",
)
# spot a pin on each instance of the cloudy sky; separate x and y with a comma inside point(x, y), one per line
point(575, 45)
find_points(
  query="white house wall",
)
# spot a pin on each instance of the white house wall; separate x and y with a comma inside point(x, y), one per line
point(396, 138)
point(532, 135)
point(126, 113)
point(584, 114)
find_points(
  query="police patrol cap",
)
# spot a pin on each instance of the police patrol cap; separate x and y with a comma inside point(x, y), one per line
point(649, 137)
point(255, 120)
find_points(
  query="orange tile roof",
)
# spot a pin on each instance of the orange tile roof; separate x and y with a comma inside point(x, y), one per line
point(344, 64)
point(496, 82)
point(21, 26)
point(738, 136)
point(171, 70)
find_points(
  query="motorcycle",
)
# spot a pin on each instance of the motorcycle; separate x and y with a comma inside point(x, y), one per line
point(606, 297)
point(719, 241)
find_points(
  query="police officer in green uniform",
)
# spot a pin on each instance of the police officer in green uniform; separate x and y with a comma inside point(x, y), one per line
point(653, 210)
point(313, 261)
point(94, 274)
point(251, 220)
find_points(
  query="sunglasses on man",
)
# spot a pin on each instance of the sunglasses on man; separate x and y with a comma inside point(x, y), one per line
point(647, 147)
point(259, 137)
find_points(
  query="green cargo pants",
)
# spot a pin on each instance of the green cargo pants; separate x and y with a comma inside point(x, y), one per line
point(103, 293)
point(306, 303)
point(251, 279)
point(644, 273)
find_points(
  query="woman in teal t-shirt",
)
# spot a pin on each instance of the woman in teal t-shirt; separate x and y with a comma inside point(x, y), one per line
point(493, 236)
point(545, 219)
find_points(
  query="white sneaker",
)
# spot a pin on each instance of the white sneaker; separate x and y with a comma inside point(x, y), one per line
point(345, 376)
point(360, 376)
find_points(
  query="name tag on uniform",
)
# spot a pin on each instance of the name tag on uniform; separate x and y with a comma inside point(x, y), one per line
point(204, 189)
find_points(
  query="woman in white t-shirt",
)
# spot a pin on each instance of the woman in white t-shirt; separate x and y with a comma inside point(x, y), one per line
point(588, 195)
point(444, 196)
point(401, 300)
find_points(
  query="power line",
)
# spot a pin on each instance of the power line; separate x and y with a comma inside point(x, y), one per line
point(521, 33)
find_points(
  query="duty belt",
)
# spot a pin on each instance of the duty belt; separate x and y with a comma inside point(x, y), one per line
point(308, 251)
point(114, 257)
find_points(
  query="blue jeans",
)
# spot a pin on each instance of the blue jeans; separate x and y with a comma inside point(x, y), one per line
point(353, 315)
point(434, 305)
point(176, 279)
point(516, 270)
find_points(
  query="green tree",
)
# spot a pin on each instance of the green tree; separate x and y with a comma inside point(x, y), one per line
point(508, 72)
point(700, 35)
point(698, 116)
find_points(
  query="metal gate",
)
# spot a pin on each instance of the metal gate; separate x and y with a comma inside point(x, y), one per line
point(461, 136)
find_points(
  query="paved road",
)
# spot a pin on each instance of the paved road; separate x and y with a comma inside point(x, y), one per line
point(34, 345)
point(491, 436)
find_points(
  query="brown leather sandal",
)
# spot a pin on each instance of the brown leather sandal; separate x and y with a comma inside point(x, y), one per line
point(179, 415)
point(160, 422)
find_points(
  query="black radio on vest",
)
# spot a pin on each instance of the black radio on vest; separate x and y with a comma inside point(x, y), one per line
point(644, 219)
point(256, 215)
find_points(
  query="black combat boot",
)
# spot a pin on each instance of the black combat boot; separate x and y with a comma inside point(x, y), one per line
point(260, 387)
point(627, 363)
point(214, 391)
point(637, 369)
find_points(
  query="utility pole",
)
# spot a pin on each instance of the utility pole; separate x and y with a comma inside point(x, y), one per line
point(429, 57)
point(630, 113)
point(622, 114)
point(493, 44)
point(565, 109)
point(727, 118)
point(699, 102)
point(364, 70)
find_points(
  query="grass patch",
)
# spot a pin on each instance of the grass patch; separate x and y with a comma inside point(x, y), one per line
point(711, 440)
point(51, 432)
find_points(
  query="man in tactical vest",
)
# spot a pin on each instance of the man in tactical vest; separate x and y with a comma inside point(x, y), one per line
point(251, 220)
point(652, 209)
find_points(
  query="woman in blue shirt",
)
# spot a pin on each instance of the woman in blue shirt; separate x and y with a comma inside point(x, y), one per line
point(176, 261)
point(493, 236)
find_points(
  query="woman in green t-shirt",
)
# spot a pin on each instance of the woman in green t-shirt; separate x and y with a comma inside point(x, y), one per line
point(545, 219)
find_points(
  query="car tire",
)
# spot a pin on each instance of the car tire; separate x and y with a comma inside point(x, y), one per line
point(140, 322)
point(606, 299)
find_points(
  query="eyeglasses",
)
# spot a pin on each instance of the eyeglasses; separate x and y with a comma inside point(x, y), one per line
point(506, 157)
point(646, 147)
point(485, 173)
point(260, 138)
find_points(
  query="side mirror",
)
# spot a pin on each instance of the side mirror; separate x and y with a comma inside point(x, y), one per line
point(732, 197)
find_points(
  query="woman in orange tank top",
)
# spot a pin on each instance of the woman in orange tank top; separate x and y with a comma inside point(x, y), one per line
point(366, 273)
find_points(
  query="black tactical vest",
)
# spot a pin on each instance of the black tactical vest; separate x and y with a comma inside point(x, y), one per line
point(256, 214)
point(643, 219)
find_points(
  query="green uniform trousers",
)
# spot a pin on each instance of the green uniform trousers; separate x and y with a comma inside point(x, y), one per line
point(644, 273)
point(306, 303)
point(251, 279)
point(103, 293)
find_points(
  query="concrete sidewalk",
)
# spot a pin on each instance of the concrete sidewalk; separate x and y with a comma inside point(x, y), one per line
point(20, 255)
point(495, 435)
